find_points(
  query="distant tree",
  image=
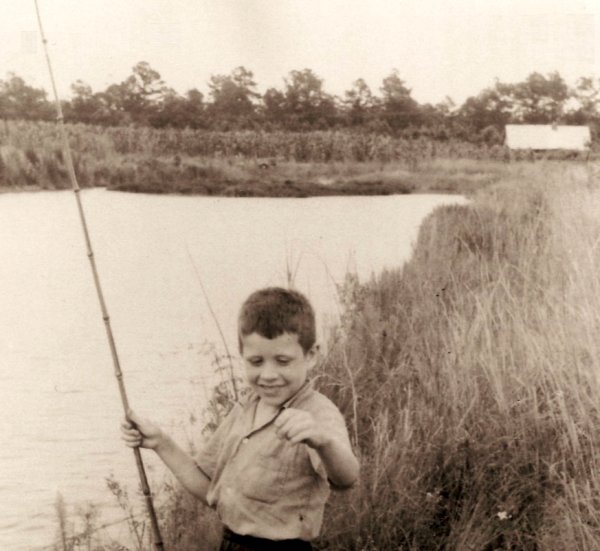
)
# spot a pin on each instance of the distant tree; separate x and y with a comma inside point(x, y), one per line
point(303, 104)
point(115, 102)
point(170, 111)
point(132, 101)
point(399, 109)
point(85, 106)
point(307, 105)
point(491, 135)
point(587, 93)
point(233, 98)
point(585, 101)
point(583, 105)
point(537, 100)
point(274, 108)
point(446, 107)
point(491, 107)
point(141, 93)
point(145, 81)
point(178, 111)
point(439, 119)
point(195, 109)
point(18, 100)
point(359, 103)
point(540, 99)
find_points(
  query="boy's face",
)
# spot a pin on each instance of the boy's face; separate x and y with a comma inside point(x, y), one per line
point(276, 368)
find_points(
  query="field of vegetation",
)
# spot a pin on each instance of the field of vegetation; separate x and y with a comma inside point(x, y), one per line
point(469, 381)
point(243, 163)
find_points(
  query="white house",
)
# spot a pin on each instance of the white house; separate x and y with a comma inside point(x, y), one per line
point(547, 136)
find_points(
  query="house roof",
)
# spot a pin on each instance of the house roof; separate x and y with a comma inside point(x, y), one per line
point(546, 136)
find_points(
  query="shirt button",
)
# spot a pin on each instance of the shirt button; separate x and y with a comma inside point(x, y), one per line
point(245, 440)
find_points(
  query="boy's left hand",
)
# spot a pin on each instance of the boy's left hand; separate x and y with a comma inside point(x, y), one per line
point(297, 426)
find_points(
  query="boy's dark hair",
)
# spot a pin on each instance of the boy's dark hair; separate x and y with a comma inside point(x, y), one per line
point(273, 311)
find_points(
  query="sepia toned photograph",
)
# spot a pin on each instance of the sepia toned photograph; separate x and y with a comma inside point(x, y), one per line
point(294, 275)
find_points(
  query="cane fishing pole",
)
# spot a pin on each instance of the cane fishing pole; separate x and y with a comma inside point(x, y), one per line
point(157, 540)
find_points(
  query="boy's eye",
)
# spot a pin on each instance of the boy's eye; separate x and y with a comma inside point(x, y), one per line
point(283, 360)
point(255, 361)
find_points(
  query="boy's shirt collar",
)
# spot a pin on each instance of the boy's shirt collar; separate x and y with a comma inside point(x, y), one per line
point(300, 393)
point(306, 388)
point(254, 398)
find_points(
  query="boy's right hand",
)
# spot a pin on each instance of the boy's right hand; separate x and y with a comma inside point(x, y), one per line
point(139, 432)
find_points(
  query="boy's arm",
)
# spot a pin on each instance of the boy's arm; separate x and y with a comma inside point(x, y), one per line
point(339, 461)
point(331, 443)
point(183, 466)
point(148, 435)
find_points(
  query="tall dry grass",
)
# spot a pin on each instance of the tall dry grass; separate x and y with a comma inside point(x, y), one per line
point(470, 377)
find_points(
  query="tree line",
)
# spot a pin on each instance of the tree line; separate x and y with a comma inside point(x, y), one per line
point(233, 103)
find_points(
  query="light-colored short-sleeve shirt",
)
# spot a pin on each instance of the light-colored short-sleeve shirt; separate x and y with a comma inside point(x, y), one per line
point(262, 485)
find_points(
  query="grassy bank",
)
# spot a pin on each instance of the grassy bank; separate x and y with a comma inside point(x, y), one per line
point(279, 164)
point(469, 380)
point(473, 391)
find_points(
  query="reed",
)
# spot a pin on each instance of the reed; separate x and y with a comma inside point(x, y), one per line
point(228, 356)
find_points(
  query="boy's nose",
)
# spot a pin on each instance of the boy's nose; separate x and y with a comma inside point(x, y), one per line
point(268, 372)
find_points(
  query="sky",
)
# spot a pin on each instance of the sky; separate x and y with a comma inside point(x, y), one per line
point(440, 48)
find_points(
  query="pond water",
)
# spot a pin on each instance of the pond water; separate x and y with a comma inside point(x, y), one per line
point(59, 403)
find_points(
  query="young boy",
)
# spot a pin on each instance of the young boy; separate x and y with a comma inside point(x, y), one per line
point(268, 467)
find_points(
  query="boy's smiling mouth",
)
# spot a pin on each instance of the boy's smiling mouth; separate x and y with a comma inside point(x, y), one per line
point(271, 387)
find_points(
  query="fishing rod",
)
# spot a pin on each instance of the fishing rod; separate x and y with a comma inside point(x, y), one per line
point(157, 539)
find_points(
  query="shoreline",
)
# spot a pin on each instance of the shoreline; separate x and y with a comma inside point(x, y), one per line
point(36, 189)
point(209, 177)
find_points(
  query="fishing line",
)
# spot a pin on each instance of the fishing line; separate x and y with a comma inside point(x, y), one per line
point(157, 540)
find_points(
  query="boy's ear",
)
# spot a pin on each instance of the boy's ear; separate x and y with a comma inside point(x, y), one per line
point(313, 356)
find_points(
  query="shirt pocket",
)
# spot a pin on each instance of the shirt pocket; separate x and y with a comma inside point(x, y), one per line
point(258, 482)
point(278, 469)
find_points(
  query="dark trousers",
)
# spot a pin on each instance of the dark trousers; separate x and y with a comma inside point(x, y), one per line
point(236, 542)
